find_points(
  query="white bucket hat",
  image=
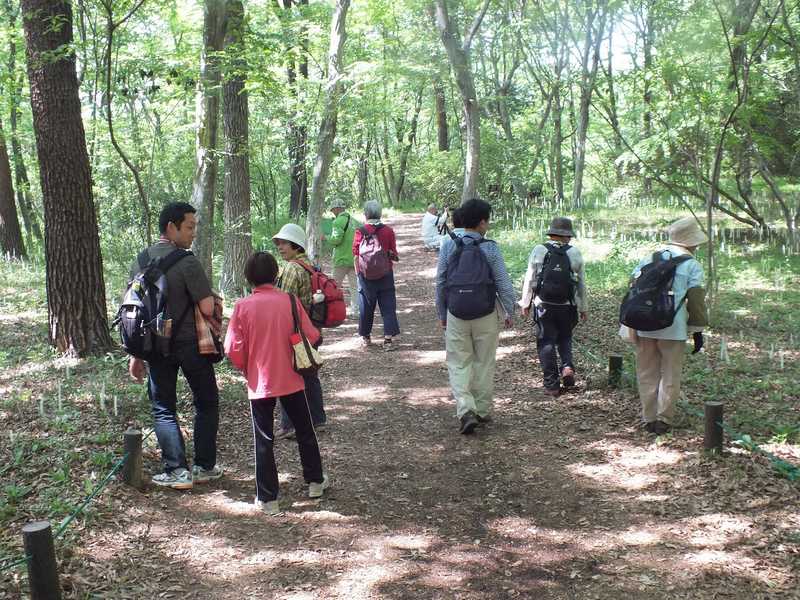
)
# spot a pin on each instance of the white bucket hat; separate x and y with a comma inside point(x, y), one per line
point(292, 233)
point(686, 232)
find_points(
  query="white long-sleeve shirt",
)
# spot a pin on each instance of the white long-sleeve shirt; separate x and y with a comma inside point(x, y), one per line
point(535, 263)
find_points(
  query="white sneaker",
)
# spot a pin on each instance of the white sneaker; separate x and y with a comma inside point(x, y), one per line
point(179, 479)
point(201, 475)
point(315, 490)
point(271, 507)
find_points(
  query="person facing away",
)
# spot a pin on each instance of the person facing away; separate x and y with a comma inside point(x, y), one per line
point(376, 288)
point(294, 279)
point(431, 228)
point(458, 225)
point(471, 343)
point(257, 343)
point(660, 354)
point(554, 288)
point(341, 240)
point(187, 285)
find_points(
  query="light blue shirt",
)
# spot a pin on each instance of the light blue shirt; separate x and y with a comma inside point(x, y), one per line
point(688, 274)
point(505, 289)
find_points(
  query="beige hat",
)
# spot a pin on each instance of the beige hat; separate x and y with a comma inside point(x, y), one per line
point(292, 233)
point(686, 232)
point(337, 203)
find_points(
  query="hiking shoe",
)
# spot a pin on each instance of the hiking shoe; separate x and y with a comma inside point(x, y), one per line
point(486, 419)
point(269, 507)
point(366, 341)
point(660, 428)
point(201, 475)
point(388, 346)
point(554, 392)
point(179, 479)
point(650, 427)
point(568, 377)
point(315, 490)
point(469, 421)
point(285, 434)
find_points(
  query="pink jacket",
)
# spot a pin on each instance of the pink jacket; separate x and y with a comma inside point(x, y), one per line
point(257, 342)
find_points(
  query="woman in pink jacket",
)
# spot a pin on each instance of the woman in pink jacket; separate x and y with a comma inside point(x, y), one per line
point(257, 343)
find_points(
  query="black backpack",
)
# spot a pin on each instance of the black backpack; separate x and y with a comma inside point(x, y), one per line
point(142, 314)
point(554, 284)
point(469, 288)
point(649, 304)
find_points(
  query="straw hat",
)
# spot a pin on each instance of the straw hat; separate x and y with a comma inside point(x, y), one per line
point(686, 232)
point(561, 226)
point(337, 203)
point(292, 233)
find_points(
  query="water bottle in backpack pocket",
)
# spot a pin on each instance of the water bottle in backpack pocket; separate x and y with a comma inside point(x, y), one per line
point(649, 304)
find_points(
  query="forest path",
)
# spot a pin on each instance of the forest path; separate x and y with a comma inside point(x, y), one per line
point(556, 498)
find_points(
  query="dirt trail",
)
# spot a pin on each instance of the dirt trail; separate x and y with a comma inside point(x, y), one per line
point(561, 498)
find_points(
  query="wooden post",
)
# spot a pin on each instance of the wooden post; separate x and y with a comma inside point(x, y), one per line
point(614, 369)
point(132, 469)
point(713, 437)
point(37, 537)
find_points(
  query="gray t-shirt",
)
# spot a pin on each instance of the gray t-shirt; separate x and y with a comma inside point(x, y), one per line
point(187, 284)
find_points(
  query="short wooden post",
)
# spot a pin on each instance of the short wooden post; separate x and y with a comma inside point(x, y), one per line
point(713, 437)
point(132, 469)
point(37, 537)
point(614, 370)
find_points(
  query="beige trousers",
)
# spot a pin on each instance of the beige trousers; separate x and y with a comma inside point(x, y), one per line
point(471, 348)
point(339, 274)
point(658, 371)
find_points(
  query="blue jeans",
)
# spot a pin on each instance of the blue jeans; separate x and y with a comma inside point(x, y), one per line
point(381, 292)
point(313, 392)
point(162, 382)
point(556, 323)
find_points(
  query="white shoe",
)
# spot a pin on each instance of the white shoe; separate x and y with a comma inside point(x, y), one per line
point(315, 490)
point(271, 507)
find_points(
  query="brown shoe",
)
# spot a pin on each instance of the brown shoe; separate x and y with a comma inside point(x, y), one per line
point(568, 377)
point(554, 392)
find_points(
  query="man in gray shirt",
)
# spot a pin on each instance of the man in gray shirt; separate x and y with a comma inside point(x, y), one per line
point(187, 285)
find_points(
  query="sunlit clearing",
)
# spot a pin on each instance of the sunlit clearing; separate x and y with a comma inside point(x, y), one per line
point(365, 393)
point(327, 516)
point(409, 542)
point(430, 357)
point(706, 558)
point(639, 537)
point(627, 467)
point(716, 529)
point(429, 396)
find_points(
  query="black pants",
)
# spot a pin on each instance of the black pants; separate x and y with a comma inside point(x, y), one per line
point(266, 472)
point(314, 395)
point(555, 325)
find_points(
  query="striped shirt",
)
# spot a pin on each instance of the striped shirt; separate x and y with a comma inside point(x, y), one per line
point(505, 289)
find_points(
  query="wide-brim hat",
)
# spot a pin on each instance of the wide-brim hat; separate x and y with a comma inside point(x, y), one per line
point(686, 232)
point(337, 203)
point(292, 233)
point(561, 226)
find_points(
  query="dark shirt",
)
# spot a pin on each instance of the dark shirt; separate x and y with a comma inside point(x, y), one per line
point(187, 284)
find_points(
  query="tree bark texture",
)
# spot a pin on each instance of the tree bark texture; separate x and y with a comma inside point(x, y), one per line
point(11, 243)
point(238, 244)
point(327, 129)
point(75, 289)
point(458, 55)
point(442, 131)
point(207, 122)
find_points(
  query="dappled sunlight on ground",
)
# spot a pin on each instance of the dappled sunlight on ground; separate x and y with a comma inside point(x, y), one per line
point(429, 357)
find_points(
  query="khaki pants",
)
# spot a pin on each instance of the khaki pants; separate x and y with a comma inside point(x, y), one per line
point(339, 273)
point(471, 349)
point(658, 371)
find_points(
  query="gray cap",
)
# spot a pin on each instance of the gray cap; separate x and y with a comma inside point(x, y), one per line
point(561, 226)
point(337, 203)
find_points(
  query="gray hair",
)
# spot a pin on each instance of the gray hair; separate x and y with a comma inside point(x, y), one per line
point(372, 210)
point(432, 206)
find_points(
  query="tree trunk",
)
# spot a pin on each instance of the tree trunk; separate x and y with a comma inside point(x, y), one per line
point(207, 119)
point(363, 170)
point(238, 245)
point(327, 129)
point(458, 55)
point(648, 36)
point(557, 160)
point(442, 132)
point(612, 108)
point(11, 243)
point(75, 289)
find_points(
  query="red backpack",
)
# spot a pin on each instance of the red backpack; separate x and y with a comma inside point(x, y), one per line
point(332, 311)
point(373, 261)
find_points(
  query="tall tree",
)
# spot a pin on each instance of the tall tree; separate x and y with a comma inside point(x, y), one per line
point(327, 127)
point(207, 122)
point(442, 132)
point(238, 245)
point(458, 53)
point(11, 243)
point(75, 289)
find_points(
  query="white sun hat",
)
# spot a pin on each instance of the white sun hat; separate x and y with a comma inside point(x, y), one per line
point(292, 233)
point(686, 232)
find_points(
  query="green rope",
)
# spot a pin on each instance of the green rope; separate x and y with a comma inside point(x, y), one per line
point(14, 563)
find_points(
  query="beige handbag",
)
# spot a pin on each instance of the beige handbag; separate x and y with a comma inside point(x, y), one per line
point(305, 358)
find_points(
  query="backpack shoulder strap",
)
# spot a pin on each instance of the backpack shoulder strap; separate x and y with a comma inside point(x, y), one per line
point(142, 259)
point(347, 224)
point(304, 265)
point(171, 259)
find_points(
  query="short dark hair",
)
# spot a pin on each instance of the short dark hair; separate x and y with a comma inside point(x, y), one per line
point(261, 268)
point(174, 212)
point(457, 220)
point(474, 211)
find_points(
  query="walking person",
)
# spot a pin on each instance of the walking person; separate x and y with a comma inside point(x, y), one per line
point(258, 344)
point(341, 240)
point(375, 252)
point(294, 279)
point(555, 290)
point(470, 275)
point(660, 352)
point(188, 286)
